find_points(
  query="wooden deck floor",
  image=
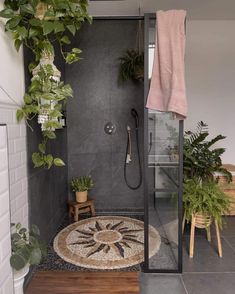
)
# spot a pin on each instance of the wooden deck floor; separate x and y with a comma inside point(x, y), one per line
point(50, 282)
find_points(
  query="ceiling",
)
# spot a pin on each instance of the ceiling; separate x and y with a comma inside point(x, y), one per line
point(196, 9)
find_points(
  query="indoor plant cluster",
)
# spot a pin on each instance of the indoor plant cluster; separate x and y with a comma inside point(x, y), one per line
point(202, 195)
point(27, 248)
point(80, 186)
point(39, 25)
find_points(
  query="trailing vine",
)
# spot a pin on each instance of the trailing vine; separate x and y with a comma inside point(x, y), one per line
point(39, 25)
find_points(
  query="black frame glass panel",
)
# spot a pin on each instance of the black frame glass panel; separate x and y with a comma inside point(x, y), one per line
point(163, 199)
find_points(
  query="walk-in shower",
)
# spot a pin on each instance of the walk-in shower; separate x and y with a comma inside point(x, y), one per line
point(112, 137)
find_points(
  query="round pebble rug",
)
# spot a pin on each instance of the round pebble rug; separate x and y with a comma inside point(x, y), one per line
point(105, 242)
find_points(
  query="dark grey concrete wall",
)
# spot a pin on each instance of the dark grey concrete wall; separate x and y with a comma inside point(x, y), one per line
point(97, 100)
point(47, 189)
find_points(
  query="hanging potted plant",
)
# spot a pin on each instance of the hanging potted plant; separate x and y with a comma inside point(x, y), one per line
point(27, 249)
point(80, 186)
point(39, 25)
point(132, 62)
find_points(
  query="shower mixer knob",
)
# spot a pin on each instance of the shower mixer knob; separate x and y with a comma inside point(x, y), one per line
point(109, 128)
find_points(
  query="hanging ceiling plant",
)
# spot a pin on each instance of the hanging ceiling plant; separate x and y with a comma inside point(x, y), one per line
point(38, 25)
point(132, 62)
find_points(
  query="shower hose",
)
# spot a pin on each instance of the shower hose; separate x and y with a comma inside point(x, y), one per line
point(139, 160)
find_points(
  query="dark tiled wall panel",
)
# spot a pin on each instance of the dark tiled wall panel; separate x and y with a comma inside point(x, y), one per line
point(48, 189)
point(98, 99)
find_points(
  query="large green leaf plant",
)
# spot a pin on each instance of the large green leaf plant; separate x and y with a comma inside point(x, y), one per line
point(201, 160)
point(58, 23)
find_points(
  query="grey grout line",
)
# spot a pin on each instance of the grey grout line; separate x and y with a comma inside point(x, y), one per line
point(182, 280)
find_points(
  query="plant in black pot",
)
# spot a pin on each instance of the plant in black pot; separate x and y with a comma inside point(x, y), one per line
point(27, 249)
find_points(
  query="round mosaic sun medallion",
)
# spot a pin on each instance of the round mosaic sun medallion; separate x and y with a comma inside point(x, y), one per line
point(106, 242)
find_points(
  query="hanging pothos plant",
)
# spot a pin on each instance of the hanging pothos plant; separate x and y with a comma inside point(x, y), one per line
point(38, 25)
point(132, 62)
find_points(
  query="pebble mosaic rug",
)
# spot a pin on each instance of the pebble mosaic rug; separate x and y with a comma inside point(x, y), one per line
point(105, 242)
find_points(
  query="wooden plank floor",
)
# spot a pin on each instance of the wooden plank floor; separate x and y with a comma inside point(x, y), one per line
point(61, 282)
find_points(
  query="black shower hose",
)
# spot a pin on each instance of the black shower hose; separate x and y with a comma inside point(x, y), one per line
point(139, 161)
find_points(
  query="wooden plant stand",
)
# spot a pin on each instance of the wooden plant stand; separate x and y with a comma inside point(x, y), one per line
point(76, 208)
point(203, 222)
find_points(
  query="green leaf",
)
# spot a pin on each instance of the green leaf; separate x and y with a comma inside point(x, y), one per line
point(35, 256)
point(27, 8)
point(31, 66)
point(18, 226)
point(65, 40)
point(33, 32)
point(49, 160)
point(17, 261)
point(19, 114)
point(58, 162)
point(42, 148)
point(72, 29)
point(35, 22)
point(48, 27)
point(13, 22)
point(49, 134)
point(7, 13)
point(58, 26)
point(55, 113)
point(22, 31)
point(17, 44)
point(37, 159)
point(76, 50)
point(27, 98)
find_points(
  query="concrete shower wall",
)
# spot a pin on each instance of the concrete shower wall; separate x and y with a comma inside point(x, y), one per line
point(97, 100)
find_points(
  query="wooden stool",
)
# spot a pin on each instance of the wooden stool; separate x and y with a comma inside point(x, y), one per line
point(202, 222)
point(76, 208)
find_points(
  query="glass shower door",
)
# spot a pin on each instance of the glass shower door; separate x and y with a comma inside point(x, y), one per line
point(163, 177)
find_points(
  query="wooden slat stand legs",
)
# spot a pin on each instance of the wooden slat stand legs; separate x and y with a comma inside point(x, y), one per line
point(202, 222)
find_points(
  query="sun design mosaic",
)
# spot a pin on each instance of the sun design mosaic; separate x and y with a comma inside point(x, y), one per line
point(105, 242)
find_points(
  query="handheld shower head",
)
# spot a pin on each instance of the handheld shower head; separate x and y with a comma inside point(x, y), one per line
point(134, 113)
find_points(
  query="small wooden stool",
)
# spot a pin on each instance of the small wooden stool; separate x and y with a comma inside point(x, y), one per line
point(202, 222)
point(76, 208)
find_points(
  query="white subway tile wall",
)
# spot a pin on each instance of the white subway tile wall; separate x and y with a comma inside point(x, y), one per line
point(16, 133)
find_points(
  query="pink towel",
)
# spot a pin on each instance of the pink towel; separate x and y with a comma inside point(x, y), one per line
point(167, 89)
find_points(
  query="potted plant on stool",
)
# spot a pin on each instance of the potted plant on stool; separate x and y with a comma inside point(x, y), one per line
point(204, 202)
point(203, 199)
point(80, 186)
point(27, 249)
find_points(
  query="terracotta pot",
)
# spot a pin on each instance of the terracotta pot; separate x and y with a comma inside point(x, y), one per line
point(202, 221)
point(81, 196)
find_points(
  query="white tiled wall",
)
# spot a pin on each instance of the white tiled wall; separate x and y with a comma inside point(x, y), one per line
point(12, 82)
point(6, 286)
point(17, 165)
